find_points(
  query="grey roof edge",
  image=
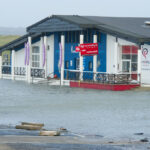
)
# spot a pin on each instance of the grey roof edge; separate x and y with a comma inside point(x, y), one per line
point(17, 42)
point(39, 22)
point(62, 18)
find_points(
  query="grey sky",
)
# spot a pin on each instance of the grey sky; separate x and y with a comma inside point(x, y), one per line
point(22, 13)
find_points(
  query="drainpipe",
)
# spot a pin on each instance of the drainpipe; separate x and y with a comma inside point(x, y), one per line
point(81, 58)
point(95, 58)
point(13, 65)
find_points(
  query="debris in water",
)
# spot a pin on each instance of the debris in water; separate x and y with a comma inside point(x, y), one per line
point(34, 124)
point(49, 133)
point(144, 140)
point(138, 133)
point(28, 127)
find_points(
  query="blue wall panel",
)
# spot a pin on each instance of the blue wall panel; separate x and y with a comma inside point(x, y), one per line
point(56, 55)
point(70, 56)
point(102, 54)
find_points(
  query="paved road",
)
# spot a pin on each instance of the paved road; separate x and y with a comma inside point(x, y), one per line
point(65, 143)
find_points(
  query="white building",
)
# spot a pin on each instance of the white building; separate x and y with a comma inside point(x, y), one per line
point(123, 50)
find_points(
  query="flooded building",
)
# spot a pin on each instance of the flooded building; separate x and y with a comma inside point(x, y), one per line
point(112, 51)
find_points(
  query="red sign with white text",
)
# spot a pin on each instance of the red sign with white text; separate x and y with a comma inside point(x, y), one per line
point(77, 49)
point(88, 49)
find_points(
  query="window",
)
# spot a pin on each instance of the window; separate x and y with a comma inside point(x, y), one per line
point(66, 64)
point(6, 56)
point(90, 66)
point(129, 53)
point(6, 60)
point(70, 37)
point(35, 57)
point(77, 62)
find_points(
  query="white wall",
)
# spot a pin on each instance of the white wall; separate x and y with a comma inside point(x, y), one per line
point(145, 65)
point(114, 55)
point(20, 58)
point(20, 55)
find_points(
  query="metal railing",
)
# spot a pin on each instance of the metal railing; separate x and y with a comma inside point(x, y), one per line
point(37, 73)
point(101, 77)
point(6, 70)
point(21, 71)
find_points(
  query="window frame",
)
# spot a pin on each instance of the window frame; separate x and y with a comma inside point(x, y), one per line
point(35, 57)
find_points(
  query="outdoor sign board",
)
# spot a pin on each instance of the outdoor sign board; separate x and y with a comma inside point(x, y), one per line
point(145, 64)
point(88, 49)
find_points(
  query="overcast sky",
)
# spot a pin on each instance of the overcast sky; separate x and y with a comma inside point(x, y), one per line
point(22, 13)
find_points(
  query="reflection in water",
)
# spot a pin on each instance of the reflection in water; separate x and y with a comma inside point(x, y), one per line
point(81, 111)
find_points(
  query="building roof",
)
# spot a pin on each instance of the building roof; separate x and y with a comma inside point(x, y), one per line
point(15, 43)
point(130, 28)
point(127, 27)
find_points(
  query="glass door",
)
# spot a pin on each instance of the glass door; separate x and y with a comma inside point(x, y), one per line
point(126, 66)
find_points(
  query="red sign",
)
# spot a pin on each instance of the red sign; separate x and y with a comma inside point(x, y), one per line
point(77, 49)
point(88, 49)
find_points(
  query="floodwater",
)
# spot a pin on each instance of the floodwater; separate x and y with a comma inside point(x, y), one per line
point(82, 111)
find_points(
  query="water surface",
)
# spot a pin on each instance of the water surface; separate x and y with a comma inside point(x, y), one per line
point(83, 111)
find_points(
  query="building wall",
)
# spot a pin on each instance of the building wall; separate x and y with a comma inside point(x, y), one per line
point(145, 64)
point(56, 55)
point(114, 56)
point(20, 58)
point(102, 56)
point(71, 55)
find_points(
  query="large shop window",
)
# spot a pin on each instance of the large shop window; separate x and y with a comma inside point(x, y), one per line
point(130, 58)
point(35, 57)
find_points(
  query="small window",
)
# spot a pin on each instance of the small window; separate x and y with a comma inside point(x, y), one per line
point(90, 66)
point(98, 63)
point(134, 67)
point(77, 62)
point(6, 60)
point(126, 57)
point(66, 64)
point(134, 58)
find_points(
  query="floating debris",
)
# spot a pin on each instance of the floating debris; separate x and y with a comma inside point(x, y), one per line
point(139, 133)
point(28, 127)
point(144, 140)
point(63, 129)
point(33, 124)
point(49, 133)
point(110, 142)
